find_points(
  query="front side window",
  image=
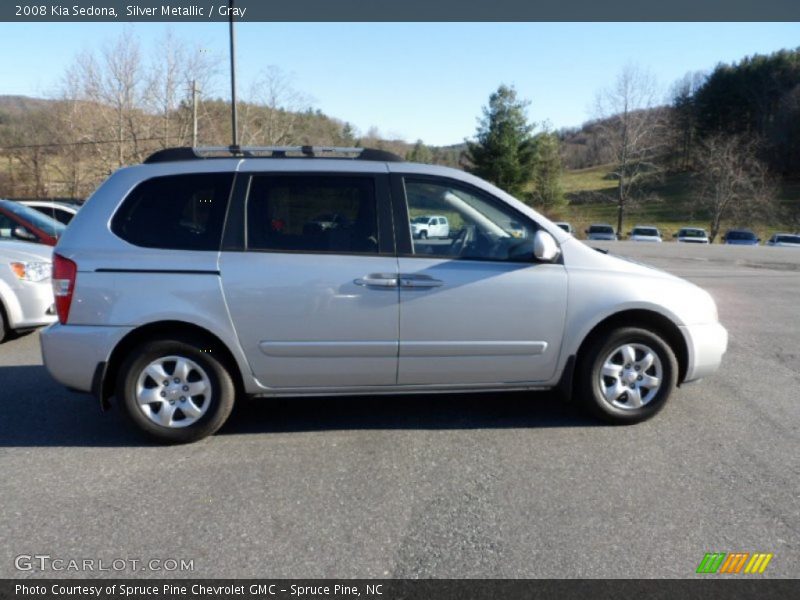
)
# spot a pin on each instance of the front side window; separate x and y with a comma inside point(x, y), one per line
point(479, 227)
point(178, 212)
point(312, 213)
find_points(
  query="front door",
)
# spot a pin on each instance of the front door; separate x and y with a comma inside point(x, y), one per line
point(475, 308)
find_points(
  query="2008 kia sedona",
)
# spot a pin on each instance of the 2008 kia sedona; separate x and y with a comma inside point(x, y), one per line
point(204, 274)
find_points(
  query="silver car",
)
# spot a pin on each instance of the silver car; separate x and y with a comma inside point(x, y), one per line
point(200, 276)
point(26, 294)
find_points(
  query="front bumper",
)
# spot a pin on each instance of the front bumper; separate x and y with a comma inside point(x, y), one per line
point(30, 305)
point(706, 345)
point(71, 353)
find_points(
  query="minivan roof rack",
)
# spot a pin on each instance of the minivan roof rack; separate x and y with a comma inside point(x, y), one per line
point(188, 153)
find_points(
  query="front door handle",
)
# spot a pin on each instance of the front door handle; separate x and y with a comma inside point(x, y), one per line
point(419, 281)
point(381, 280)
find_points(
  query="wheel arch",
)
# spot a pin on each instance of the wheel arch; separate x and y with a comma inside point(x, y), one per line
point(647, 319)
point(165, 329)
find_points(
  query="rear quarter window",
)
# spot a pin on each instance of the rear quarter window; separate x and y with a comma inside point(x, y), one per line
point(176, 212)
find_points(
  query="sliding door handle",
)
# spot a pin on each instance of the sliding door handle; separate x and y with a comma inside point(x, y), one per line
point(380, 280)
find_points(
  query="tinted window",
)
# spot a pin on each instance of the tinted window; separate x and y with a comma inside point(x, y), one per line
point(788, 239)
point(600, 229)
point(184, 212)
point(481, 228)
point(312, 213)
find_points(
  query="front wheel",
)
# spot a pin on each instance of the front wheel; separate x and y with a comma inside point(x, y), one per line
point(627, 376)
point(176, 390)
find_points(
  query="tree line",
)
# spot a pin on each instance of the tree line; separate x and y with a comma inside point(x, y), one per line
point(735, 129)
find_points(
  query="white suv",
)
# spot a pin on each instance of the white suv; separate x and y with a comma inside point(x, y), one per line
point(205, 275)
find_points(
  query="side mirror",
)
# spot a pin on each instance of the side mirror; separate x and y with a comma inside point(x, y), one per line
point(23, 234)
point(545, 247)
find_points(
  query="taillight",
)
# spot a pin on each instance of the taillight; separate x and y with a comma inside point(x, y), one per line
point(64, 272)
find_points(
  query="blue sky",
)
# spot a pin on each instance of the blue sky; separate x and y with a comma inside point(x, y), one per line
point(418, 80)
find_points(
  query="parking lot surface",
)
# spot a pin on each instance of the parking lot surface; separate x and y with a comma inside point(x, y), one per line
point(513, 485)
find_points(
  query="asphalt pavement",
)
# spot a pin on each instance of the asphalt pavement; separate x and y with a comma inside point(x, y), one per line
point(479, 486)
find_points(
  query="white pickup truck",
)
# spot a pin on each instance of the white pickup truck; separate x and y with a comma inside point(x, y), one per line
point(430, 226)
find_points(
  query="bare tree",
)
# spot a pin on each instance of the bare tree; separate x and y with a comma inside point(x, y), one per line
point(114, 83)
point(731, 182)
point(631, 128)
point(273, 111)
point(174, 69)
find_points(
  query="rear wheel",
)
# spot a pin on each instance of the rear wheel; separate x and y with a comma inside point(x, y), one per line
point(175, 392)
point(3, 326)
point(627, 376)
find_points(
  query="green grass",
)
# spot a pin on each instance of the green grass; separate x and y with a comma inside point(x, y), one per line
point(672, 204)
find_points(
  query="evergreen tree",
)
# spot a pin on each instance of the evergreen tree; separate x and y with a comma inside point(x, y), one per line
point(420, 153)
point(504, 151)
point(547, 192)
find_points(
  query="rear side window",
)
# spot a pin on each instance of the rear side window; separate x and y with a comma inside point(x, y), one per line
point(178, 212)
point(312, 213)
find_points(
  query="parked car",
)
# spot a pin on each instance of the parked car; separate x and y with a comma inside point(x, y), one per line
point(60, 211)
point(20, 222)
point(740, 237)
point(565, 226)
point(645, 233)
point(434, 226)
point(26, 293)
point(175, 321)
point(785, 240)
point(692, 235)
point(600, 231)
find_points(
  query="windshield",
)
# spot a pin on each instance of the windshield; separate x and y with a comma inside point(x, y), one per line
point(564, 226)
point(788, 239)
point(601, 229)
point(35, 218)
point(692, 233)
point(420, 220)
point(645, 231)
point(741, 235)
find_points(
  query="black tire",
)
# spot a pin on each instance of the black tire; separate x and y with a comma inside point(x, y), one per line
point(588, 377)
point(3, 327)
point(221, 399)
point(423, 235)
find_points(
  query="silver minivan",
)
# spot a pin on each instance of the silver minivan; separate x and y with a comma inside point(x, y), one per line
point(204, 275)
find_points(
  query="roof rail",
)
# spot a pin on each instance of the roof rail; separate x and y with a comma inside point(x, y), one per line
point(187, 153)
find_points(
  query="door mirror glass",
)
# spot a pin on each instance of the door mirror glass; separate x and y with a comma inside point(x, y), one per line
point(545, 247)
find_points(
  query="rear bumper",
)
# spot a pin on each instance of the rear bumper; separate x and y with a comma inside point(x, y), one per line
point(72, 353)
point(706, 344)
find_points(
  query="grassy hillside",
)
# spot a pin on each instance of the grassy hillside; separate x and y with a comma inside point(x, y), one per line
point(671, 203)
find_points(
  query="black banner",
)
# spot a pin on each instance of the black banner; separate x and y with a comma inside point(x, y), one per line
point(406, 10)
point(396, 589)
